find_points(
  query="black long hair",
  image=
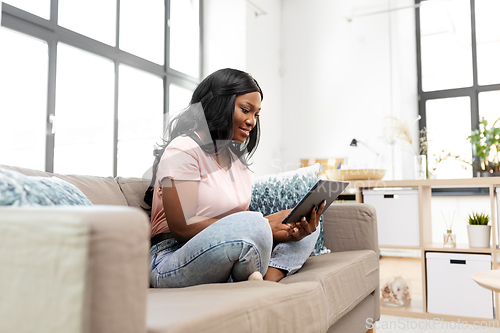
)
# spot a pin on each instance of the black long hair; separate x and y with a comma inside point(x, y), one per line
point(212, 105)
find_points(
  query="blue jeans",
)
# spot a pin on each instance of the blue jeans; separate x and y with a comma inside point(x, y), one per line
point(234, 246)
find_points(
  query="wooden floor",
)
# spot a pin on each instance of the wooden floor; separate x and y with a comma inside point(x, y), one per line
point(408, 268)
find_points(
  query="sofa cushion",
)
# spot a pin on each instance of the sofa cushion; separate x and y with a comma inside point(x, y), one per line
point(133, 189)
point(17, 189)
point(99, 190)
point(256, 306)
point(273, 193)
point(345, 277)
point(27, 172)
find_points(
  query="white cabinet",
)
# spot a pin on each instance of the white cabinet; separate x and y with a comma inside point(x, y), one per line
point(397, 216)
point(497, 193)
point(398, 230)
point(450, 288)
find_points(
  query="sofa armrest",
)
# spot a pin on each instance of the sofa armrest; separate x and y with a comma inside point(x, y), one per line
point(116, 246)
point(119, 254)
point(350, 227)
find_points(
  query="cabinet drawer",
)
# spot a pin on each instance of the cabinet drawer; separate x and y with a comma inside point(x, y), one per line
point(397, 216)
point(450, 288)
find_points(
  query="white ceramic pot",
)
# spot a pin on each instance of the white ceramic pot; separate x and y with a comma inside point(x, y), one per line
point(479, 235)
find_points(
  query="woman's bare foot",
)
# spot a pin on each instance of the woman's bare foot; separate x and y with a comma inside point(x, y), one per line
point(255, 276)
point(274, 274)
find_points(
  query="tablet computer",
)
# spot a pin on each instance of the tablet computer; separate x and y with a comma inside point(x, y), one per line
point(327, 190)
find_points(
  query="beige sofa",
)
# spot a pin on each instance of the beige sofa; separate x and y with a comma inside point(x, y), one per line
point(335, 292)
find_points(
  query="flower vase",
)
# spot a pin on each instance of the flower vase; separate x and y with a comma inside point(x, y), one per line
point(420, 167)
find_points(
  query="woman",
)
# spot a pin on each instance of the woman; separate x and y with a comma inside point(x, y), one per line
point(201, 229)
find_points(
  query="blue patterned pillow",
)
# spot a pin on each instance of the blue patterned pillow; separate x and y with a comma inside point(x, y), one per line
point(273, 193)
point(17, 189)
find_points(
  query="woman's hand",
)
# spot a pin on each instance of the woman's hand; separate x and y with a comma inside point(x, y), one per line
point(304, 228)
point(281, 232)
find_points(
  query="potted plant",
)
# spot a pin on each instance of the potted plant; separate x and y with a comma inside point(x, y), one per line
point(486, 145)
point(486, 150)
point(478, 229)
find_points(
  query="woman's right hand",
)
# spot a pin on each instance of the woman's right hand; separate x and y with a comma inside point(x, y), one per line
point(281, 232)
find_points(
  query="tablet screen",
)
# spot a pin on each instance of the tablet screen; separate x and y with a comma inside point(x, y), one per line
point(327, 190)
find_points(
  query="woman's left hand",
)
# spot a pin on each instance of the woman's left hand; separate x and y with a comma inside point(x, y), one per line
point(304, 228)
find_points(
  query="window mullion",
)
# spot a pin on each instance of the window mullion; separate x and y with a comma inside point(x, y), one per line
point(51, 106)
point(167, 62)
point(421, 103)
point(167, 35)
point(115, 119)
point(202, 40)
point(473, 42)
point(474, 114)
point(54, 13)
point(51, 89)
point(117, 41)
point(117, 80)
point(474, 96)
point(166, 100)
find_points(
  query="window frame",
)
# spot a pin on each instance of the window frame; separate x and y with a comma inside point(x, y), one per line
point(472, 92)
point(48, 30)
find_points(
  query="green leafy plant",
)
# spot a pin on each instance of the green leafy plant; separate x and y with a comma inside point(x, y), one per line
point(486, 146)
point(478, 218)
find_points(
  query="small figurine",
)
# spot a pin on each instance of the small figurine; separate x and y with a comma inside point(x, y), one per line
point(396, 292)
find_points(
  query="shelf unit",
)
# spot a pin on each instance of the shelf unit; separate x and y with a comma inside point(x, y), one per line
point(418, 308)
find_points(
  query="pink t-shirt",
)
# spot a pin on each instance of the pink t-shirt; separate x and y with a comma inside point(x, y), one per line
point(220, 192)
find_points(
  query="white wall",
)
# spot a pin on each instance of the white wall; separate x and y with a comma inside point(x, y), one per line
point(340, 79)
point(235, 37)
point(224, 35)
point(325, 80)
point(264, 62)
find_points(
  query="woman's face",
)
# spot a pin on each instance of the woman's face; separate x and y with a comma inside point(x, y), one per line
point(246, 111)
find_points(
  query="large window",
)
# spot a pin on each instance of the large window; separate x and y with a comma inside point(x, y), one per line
point(85, 85)
point(458, 45)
